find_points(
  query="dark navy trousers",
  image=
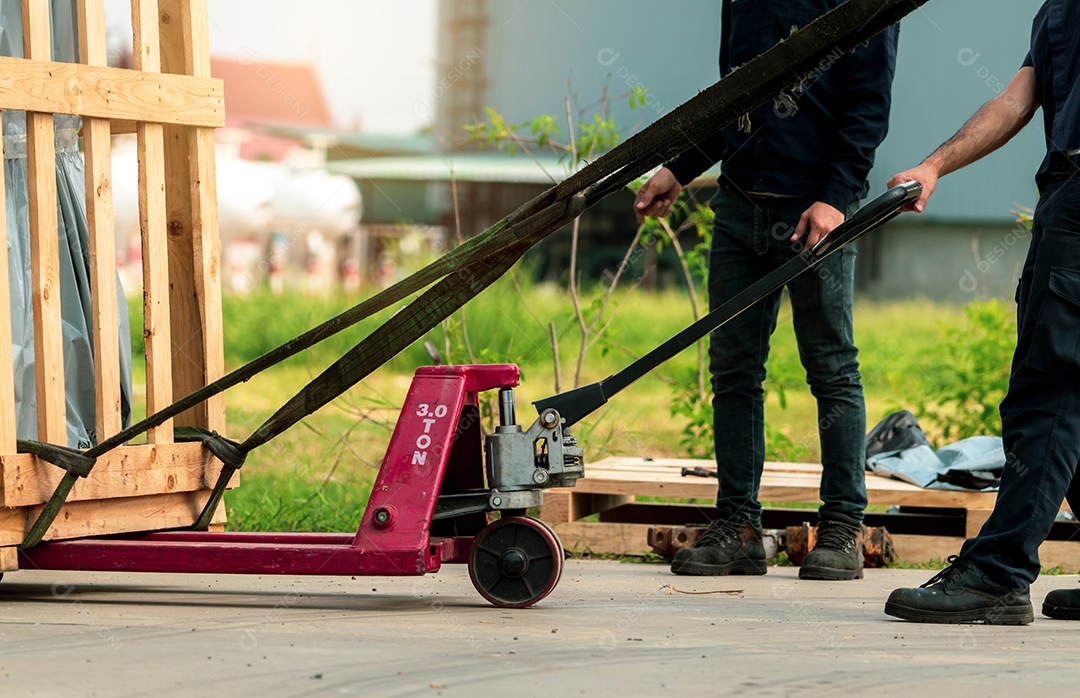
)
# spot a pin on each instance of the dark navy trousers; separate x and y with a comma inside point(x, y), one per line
point(1040, 415)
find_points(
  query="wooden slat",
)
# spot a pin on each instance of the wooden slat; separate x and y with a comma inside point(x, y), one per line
point(206, 253)
point(146, 44)
point(1055, 553)
point(155, 255)
point(788, 488)
point(974, 521)
point(44, 245)
point(195, 33)
point(556, 506)
point(675, 465)
point(102, 517)
point(581, 537)
point(7, 378)
point(37, 44)
point(923, 549)
point(157, 331)
point(567, 505)
point(111, 93)
point(780, 482)
point(124, 472)
point(97, 145)
point(92, 47)
point(9, 559)
point(192, 223)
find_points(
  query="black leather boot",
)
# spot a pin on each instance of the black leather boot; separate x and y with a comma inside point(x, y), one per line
point(961, 593)
point(727, 547)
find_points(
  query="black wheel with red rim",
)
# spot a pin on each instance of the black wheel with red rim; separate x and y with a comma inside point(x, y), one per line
point(515, 562)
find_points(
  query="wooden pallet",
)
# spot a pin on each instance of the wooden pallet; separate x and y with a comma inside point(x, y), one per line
point(170, 101)
point(611, 486)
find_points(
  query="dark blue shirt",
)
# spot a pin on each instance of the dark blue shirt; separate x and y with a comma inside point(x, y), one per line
point(817, 141)
point(1055, 56)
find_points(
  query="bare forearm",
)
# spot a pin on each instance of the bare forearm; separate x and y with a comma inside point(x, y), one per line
point(990, 128)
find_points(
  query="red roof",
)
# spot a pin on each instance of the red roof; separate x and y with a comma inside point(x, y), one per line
point(259, 91)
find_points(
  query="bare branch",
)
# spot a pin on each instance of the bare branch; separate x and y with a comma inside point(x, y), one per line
point(603, 110)
point(524, 300)
point(555, 356)
point(689, 278)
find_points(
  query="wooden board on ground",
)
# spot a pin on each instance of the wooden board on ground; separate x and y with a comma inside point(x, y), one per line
point(615, 483)
point(781, 482)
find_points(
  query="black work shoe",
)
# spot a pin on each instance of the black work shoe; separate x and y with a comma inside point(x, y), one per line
point(961, 593)
point(727, 547)
point(837, 554)
point(1063, 604)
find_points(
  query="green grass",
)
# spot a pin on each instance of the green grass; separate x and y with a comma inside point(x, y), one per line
point(317, 475)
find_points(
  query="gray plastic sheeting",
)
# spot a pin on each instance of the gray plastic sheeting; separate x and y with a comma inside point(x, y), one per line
point(74, 265)
point(921, 465)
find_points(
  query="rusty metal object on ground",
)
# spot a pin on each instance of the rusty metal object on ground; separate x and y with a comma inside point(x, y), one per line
point(795, 541)
point(668, 540)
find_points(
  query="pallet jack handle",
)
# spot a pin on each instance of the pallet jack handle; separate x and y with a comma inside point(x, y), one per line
point(575, 405)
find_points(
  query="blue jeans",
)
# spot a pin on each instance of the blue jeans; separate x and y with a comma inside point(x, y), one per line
point(1040, 415)
point(750, 239)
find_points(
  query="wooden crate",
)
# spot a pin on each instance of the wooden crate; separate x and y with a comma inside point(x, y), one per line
point(611, 486)
point(173, 105)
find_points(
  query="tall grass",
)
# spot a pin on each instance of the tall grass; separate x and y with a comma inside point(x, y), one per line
point(317, 475)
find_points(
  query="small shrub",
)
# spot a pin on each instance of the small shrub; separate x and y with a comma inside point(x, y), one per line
point(960, 382)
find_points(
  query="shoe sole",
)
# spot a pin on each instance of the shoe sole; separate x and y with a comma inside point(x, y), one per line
point(831, 574)
point(744, 567)
point(990, 616)
point(1061, 612)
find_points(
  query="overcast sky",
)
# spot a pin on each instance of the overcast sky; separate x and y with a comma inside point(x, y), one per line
point(375, 58)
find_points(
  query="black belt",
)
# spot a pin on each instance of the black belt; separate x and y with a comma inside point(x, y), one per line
point(1062, 165)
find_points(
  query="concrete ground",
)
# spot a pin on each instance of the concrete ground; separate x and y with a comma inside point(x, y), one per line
point(608, 629)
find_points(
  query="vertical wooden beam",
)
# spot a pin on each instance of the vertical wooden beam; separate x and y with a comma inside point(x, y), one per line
point(44, 243)
point(97, 145)
point(206, 251)
point(7, 378)
point(194, 246)
point(155, 253)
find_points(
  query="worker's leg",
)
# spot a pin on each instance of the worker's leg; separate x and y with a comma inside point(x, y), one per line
point(737, 351)
point(1041, 413)
point(821, 304)
point(1040, 416)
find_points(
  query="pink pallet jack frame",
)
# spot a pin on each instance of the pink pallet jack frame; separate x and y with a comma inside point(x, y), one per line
point(436, 447)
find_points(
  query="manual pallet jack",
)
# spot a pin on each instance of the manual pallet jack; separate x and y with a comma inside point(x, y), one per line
point(431, 502)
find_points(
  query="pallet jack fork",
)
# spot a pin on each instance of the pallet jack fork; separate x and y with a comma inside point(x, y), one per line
point(441, 478)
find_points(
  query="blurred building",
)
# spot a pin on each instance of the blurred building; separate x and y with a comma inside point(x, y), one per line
point(525, 59)
point(284, 220)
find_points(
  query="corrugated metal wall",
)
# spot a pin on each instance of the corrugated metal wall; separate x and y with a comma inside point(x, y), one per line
point(954, 56)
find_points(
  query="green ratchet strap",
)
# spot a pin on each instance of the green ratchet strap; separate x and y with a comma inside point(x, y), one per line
point(77, 463)
point(232, 458)
point(471, 267)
